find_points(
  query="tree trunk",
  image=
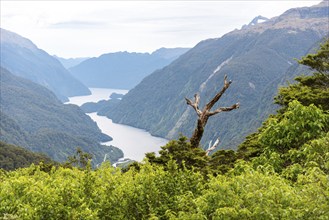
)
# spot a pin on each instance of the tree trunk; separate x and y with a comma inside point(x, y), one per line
point(198, 131)
point(204, 115)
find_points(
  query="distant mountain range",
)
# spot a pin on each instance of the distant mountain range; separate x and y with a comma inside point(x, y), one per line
point(22, 58)
point(256, 58)
point(123, 70)
point(70, 62)
point(32, 117)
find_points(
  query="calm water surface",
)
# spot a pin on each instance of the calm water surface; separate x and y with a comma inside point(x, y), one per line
point(132, 141)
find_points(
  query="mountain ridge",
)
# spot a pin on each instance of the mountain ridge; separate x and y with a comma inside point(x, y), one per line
point(123, 70)
point(254, 60)
point(23, 58)
point(70, 62)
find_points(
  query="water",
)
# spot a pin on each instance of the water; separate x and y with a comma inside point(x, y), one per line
point(97, 94)
point(132, 141)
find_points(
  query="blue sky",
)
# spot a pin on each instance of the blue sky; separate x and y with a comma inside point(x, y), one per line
point(91, 28)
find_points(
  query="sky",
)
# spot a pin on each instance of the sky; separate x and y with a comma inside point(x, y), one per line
point(73, 29)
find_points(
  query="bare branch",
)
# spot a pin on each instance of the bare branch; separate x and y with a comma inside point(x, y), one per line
point(204, 115)
point(189, 102)
point(223, 109)
point(197, 99)
point(218, 95)
point(213, 147)
point(195, 104)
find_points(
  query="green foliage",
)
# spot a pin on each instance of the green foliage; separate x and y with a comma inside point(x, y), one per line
point(294, 142)
point(296, 126)
point(183, 153)
point(258, 195)
point(310, 89)
point(222, 161)
point(105, 193)
point(289, 182)
point(320, 60)
point(13, 157)
point(251, 147)
point(80, 159)
point(158, 192)
point(296, 139)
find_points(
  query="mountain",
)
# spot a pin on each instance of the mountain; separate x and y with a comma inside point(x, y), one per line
point(22, 58)
point(32, 117)
point(123, 70)
point(256, 20)
point(70, 62)
point(256, 58)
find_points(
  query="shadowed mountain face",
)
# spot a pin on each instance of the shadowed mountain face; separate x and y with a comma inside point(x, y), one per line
point(255, 58)
point(123, 70)
point(22, 58)
point(32, 117)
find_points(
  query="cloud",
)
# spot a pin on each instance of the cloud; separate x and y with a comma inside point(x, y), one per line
point(76, 24)
point(90, 28)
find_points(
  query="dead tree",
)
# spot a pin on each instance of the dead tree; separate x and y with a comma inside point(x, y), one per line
point(206, 112)
point(212, 147)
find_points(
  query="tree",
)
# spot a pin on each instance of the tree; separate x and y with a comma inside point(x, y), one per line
point(80, 159)
point(320, 60)
point(312, 89)
point(206, 112)
point(184, 155)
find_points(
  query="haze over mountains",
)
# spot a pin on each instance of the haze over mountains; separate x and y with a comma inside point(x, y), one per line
point(22, 58)
point(123, 70)
point(70, 62)
point(255, 58)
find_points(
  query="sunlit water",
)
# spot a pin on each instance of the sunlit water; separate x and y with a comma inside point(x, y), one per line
point(132, 141)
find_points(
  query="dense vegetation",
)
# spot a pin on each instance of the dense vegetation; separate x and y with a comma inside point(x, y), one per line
point(13, 157)
point(256, 59)
point(32, 117)
point(157, 192)
point(280, 172)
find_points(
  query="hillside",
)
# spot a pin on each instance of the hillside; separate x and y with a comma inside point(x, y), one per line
point(123, 70)
point(255, 58)
point(22, 58)
point(32, 117)
point(13, 157)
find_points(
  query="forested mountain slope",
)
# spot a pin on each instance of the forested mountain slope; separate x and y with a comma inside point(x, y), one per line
point(123, 70)
point(32, 117)
point(22, 58)
point(255, 58)
point(13, 157)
